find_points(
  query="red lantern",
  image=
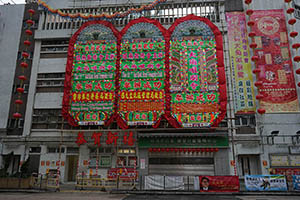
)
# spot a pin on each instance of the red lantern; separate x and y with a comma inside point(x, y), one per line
point(292, 21)
point(162, 149)
point(158, 150)
point(290, 10)
point(198, 150)
point(297, 58)
point(252, 34)
point(249, 12)
point(24, 64)
point(171, 149)
point(296, 45)
point(298, 71)
point(181, 150)
point(254, 58)
point(22, 77)
point(253, 45)
point(29, 22)
point(184, 150)
point(258, 83)
point(202, 150)
point(259, 96)
point(17, 115)
point(256, 71)
point(150, 149)
point(25, 54)
point(293, 34)
point(154, 149)
point(176, 150)
point(248, 2)
point(298, 84)
point(20, 90)
point(167, 149)
point(261, 111)
point(31, 12)
point(216, 149)
point(287, 1)
point(19, 101)
point(251, 23)
point(28, 32)
point(207, 150)
point(27, 43)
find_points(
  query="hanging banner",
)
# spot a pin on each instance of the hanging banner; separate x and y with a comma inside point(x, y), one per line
point(197, 78)
point(265, 183)
point(296, 182)
point(274, 62)
point(240, 63)
point(217, 183)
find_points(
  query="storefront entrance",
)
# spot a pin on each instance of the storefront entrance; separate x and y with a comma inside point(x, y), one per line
point(72, 167)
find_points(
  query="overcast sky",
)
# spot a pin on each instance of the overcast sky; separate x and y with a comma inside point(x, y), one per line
point(11, 1)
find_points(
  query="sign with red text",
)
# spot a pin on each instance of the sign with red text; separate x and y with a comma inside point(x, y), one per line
point(217, 183)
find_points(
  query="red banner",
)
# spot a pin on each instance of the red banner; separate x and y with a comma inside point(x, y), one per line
point(218, 184)
point(274, 62)
point(123, 173)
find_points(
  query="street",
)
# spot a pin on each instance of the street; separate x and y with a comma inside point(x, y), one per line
point(105, 196)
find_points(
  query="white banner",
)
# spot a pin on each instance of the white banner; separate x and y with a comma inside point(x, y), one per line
point(157, 182)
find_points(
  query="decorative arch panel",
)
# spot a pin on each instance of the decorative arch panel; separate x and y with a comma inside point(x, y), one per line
point(89, 94)
point(197, 78)
point(142, 72)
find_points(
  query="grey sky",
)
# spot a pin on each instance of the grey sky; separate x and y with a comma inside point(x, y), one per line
point(12, 1)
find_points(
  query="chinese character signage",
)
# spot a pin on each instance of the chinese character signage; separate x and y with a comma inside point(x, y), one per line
point(240, 63)
point(274, 62)
point(146, 73)
point(217, 183)
point(265, 183)
point(109, 138)
point(122, 173)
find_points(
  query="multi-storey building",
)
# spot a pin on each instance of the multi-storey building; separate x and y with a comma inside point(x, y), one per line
point(243, 142)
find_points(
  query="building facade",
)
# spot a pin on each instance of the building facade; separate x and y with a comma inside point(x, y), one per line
point(243, 143)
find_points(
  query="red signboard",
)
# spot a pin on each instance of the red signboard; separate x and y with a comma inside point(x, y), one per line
point(219, 184)
point(274, 63)
point(123, 173)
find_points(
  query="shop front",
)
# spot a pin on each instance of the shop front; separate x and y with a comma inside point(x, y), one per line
point(184, 155)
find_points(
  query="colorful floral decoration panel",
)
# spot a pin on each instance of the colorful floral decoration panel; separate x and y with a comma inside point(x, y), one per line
point(142, 73)
point(197, 94)
point(145, 73)
point(92, 70)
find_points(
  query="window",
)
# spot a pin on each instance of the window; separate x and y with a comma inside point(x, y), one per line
point(15, 123)
point(245, 124)
point(127, 157)
point(35, 150)
point(103, 157)
point(55, 150)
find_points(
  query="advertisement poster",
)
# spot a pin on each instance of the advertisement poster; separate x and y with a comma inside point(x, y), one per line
point(274, 62)
point(217, 183)
point(123, 173)
point(265, 183)
point(244, 98)
point(296, 182)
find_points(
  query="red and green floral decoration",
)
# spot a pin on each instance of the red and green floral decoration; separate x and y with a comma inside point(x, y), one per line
point(92, 64)
point(145, 73)
point(142, 68)
point(197, 94)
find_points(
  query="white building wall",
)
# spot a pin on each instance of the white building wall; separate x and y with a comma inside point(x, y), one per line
point(11, 23)
point(52, 65)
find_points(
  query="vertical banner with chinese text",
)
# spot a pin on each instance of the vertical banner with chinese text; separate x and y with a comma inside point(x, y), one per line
point(274, 61)
point(240, 63)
